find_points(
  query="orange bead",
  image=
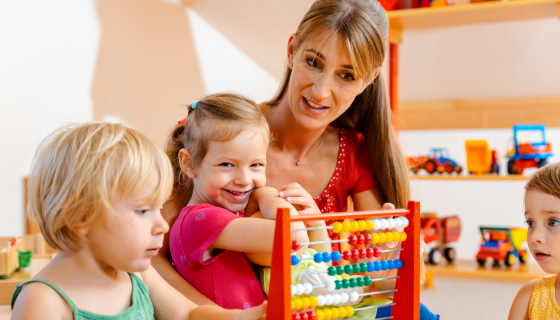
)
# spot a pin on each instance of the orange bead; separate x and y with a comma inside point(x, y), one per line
point(327, 313)
point(382, 238)
point(396, 236)
point(369, 225)
point(341, 312)
point(361, 225)
point(353, 226)
point(313, 302)
point(334, 313)
point(349, 311)
point(319, 315)
point(305, 302)
point(346, 226)
point(297, 304)
point(336, 227)
point(374, 238)
point(388, 237)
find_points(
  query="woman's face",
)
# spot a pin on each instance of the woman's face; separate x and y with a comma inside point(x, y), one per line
point(323, 83)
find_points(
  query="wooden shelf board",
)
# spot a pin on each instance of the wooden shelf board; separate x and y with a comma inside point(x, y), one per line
point(471, 269)
point(469, 177)
point(7, 286)
point(495, 11)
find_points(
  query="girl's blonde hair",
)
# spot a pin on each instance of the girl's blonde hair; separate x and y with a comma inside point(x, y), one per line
point(217, 117)
point(78, 172)
point(364, 27)
point(546, 179)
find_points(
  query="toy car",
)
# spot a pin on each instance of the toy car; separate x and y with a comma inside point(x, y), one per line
point(502, 244)
point(480, 159)
point(526, 154)
point(438, 233)
point(437, 160)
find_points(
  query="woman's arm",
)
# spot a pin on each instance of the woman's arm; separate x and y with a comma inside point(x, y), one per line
point(520, 304)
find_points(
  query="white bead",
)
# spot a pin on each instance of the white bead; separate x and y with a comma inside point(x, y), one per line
point(398, 222)
point(331, 285)
point(293, 289)
point(336, 298)
point(328, 299)
point(299, 289)
point(320, 300)
point(354, 296)
point(344, 297)
point(307, 288)
point(404, 222)
point(391, 223)
point(384, 223)
point(376, 224)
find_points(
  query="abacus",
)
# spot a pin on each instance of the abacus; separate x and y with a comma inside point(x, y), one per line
point(406, 299)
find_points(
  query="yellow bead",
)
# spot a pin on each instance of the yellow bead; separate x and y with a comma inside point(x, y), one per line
point(341, 312)
point(349, 311)
point(346, 226)
point(402, 236)
point(396, 236)
point(382, 238)
point(313, 302)
point(292, 304)
point(327, 313)
point(343, 276)
point(336, 227)
point(369, 225)
point(361, 225)
point(353, 226)
point(305, 302)
point(374, 238)
point(388, 237)
point(319, 315)
point(334, 313)
point(297, 304)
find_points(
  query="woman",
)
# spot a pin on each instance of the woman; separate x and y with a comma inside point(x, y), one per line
point(330, 119)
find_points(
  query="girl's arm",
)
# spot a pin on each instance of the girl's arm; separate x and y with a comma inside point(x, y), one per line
point(170, 304)
point(520, 304)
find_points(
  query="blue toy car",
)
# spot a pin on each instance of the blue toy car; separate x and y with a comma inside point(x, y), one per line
point(528, 154)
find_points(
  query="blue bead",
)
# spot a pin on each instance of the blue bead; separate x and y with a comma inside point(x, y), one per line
point(370, 266)
point(295, 260)
point(391, 264)
point(384, 265)
point(318, 258)
point(326, 256)
point(377, 265)
point(398, 263)
point(336, 256)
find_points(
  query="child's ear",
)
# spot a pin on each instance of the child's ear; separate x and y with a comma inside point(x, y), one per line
point(81, 231)
point(185, 160)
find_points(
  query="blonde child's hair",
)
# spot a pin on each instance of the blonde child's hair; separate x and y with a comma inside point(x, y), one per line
point(218, 117)
point(80, 170)
point(546, 179)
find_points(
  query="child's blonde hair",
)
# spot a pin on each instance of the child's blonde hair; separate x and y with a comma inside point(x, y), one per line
point(79, 170)
point(218, 117)
point(546, 179)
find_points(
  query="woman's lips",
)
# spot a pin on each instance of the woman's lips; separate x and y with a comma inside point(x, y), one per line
point(312, 108)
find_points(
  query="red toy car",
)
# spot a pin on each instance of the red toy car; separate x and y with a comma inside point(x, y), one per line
point(438, 234)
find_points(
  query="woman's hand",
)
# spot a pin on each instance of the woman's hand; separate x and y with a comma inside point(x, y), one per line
point(295, 194)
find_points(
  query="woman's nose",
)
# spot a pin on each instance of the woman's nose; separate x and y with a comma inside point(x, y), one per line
point(322, 87)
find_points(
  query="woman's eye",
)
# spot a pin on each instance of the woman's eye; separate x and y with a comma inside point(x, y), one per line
point(312, 63)
point(226, 164)
point(347, 76)
point(142, 211)
point(553, 223)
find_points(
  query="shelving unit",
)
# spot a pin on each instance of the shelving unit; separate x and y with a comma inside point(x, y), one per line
point(471, 269)
point(471, 177)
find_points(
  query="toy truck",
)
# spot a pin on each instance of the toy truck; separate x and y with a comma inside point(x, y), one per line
point(525, 155)
point(439, 233)
point(437, 160)
point(480, 159)
point(502, 244)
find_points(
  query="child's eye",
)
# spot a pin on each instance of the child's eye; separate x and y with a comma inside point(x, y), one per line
point(347, 76)
point(142, 211)
point(530, 223)
point(255, 165)
point(553, 223)
point(226, 164)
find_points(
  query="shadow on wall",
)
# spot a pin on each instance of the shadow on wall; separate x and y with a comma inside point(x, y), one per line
point(147, 69)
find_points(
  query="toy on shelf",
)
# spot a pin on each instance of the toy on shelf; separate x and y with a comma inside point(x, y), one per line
point(502, 244)
point(438, 234)
point(523, 155)
point(309, 306)
point(13, 256)
point(480, 159)
point(437, 160)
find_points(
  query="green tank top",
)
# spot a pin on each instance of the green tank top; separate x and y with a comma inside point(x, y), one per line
point(140, 309)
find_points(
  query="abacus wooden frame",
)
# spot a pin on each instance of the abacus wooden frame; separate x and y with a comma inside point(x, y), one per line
point(407, 297)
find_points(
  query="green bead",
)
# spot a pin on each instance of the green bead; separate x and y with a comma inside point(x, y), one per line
point(363, 267)
point(356, 268)
point(338, 284)
point(345, 284)
point(331, 271)
point(348, 269)
point(360, 282)
point(339, 270)
point(367, 281)
point(352, 282)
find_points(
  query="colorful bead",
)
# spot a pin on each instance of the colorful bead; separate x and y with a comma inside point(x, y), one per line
point(328, 299)
point(307, 288)
point(367, 238)
point(390, 223)
point(318, 257)
point(331, 285)
point(367, 281)
point(363, 267)
point(335, 298)
point(355, 254)
point(303, 316)
point(300, 289)
point(341, 312)
point(336, 256)
point(377, 266)
point(296, 245)
point(296, 316)
point(376, 224)
point(334, 313)
point(369, 225)
point(352, 240)
point(336, 227)
point(404, 222)
point(398, 263)
point(339, 270)
point(391, 264)
point(295, 260)
point(352, 282)
point(369, 252)
point(362, 253)
point(402, 235)
point(297, 303)
point(313, 302)
point(360, 282)
point(361, 239)
point(320, 300)
point(356, 268)
point(354, 226)
point(370, 266)
point(374, 238)
point(345, 284)
point(361, 225)
point(382, 238)
point(305, 302)
point(377, 252)
point(292, 304)
point(349, 311)
point(388, 237)
point(396, 236)
point(354, 296)
point(348, 269)
point(344, 297)
point(311, 315)
point(326, 256)
point(398, 222)
point(347, 255)
point(384, 265)
point(327, 313)
point(319, 315)
point(331, 271)
point(338, 284)
point(384, 223)
point(346, 226)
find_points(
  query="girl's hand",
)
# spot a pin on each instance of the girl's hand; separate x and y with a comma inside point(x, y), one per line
point(256, 313)
point(298, 196)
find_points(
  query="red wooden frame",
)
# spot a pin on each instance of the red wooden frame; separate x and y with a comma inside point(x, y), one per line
point(407, 297)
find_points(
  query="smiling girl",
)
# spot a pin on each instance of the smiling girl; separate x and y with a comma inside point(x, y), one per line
point(537, 299)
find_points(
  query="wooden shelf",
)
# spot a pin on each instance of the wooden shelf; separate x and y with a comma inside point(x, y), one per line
point(7, 286)
point(471, 269)
point(469, 177)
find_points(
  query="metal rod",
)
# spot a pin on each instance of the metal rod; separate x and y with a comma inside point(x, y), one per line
point(376, 292)
point(373, 307)
point(391, 250)
point(387, 278)
point(321, 242)
point(312, 228)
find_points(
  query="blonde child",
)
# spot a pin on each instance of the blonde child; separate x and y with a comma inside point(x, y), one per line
point(537, 299)
point(96, 191)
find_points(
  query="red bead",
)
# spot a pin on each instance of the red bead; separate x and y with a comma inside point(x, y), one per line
point(376, 252)
point(363, 253)
point(352, 240)
point(311, 315)
point(367, 238)
point(361, 239)
point(346, 255)
point(304, 316)
point(296, 316)
point(369, 252)
point(355, 254)
point(296, 245)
